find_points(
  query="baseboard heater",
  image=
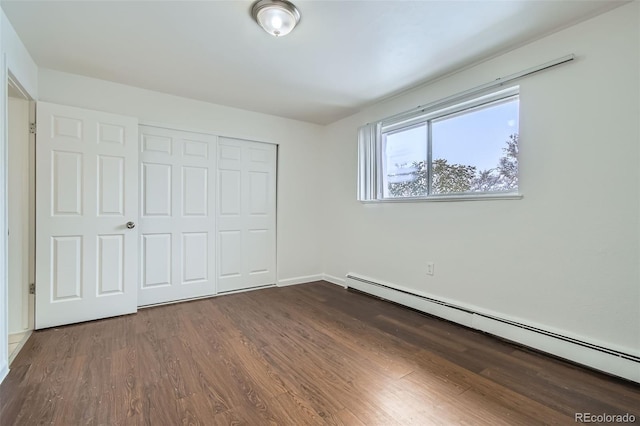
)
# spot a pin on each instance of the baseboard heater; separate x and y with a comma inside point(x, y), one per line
point(612, 361)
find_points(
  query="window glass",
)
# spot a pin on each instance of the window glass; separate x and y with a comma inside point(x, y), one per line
point(405, 162)
point(476, 150)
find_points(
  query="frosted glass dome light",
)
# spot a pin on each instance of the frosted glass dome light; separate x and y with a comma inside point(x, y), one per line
point(277, 17)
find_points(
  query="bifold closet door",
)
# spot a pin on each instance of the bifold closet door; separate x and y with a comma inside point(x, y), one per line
point(177, 215)
point(246, 214)
point(86, 193)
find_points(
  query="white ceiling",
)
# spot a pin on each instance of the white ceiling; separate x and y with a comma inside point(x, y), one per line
point(343, 55)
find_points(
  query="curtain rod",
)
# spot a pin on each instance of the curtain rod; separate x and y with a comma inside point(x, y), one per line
point(495, 83)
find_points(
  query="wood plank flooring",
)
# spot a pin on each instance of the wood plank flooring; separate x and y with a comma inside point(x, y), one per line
point(307, 354)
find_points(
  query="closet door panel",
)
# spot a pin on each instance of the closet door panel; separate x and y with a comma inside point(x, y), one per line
point(177, 223)
point(246, 214)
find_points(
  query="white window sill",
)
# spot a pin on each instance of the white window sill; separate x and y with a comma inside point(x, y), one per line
point(456, 197)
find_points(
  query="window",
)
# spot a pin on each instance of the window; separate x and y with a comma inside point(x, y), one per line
point(468, 149)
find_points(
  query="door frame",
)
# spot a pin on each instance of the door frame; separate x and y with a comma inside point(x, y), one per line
point(7, 76)
point(28, 317)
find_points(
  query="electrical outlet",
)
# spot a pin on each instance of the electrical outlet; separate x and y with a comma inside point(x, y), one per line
point(430, 268)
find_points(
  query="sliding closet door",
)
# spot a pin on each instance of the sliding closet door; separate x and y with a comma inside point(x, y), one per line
point(177, 215)
point(246, 214)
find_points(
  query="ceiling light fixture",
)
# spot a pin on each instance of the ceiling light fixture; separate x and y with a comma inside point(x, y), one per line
point(277, 17)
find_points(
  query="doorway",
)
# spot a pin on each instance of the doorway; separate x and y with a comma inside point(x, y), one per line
point(21, 216)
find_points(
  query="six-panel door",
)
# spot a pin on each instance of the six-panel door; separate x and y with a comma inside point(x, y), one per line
point(246, 214)
point(86, 174)
point(177, 215)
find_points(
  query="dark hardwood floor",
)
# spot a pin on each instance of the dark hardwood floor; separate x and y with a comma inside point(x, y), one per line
point(307, 354)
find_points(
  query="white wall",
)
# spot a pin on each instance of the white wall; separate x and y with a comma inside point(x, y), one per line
point(566, 256)
point(299, 253)
point(19, 61)
point(18, 214)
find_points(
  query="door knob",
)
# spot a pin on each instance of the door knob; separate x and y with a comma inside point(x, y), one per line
point(131, 225)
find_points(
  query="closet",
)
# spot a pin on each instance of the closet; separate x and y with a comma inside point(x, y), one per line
point(133, 215)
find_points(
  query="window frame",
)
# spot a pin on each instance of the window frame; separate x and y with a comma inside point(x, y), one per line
point(371, 151)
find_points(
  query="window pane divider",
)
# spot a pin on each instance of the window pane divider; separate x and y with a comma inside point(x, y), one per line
point(429, 164)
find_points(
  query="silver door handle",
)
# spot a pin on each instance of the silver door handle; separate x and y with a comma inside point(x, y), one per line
point(131, 225)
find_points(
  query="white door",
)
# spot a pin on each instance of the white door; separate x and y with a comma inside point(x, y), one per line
point(86, 192)
point(246, 214)
point(177, 226)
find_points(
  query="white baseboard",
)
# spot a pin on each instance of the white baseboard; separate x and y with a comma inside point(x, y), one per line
point(619, 362)
point(311, 278)
point(4, 370)
point(299, 280)
point(334, 280)
point(20, 338)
